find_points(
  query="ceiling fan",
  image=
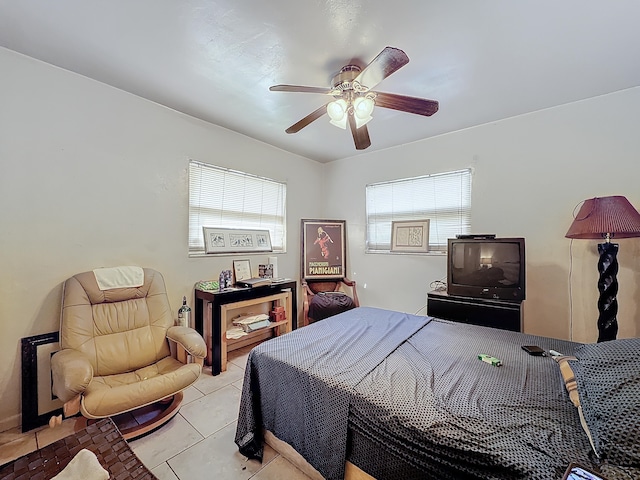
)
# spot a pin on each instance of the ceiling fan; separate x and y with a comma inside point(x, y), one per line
point(354, 100)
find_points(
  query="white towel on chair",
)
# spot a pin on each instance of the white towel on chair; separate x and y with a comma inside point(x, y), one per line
point(119, 277)
point(84, 466)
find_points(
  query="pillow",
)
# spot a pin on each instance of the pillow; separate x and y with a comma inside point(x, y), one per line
point(608, 379)
point(325, 305)
point(568, 377)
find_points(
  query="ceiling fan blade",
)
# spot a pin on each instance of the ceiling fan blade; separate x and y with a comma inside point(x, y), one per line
point(313, 116)
point(388, 61)
point(300, 88)
point(419, 106)
point(360, 135)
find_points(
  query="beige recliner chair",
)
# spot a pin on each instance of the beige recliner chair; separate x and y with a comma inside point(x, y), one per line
point(115, 355)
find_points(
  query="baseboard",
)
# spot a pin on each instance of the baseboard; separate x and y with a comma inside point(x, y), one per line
point(10, 422)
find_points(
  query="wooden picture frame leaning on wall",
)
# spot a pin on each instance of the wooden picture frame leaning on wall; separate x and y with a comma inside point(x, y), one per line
point(323, 249)
point(38, 402)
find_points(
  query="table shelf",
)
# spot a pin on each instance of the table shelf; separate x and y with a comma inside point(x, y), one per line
point(255, 336)
point(214, 312)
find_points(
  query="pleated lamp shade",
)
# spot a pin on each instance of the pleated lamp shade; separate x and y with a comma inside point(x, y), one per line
point(600, 216)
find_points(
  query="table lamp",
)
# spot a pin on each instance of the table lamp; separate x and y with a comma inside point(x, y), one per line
point(606, 218)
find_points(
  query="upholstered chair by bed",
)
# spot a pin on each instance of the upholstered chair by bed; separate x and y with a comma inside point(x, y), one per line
point(116, 329)
point(323, 299)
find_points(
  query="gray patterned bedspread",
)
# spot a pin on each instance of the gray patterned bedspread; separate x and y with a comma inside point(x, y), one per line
point(299, 385)
point(414, 388)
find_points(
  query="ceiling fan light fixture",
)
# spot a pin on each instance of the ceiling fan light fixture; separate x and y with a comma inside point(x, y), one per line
point(363, 107)
point(337, 111)
point(362, 110)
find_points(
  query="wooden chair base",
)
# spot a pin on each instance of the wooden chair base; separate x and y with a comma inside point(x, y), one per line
point(145, 419)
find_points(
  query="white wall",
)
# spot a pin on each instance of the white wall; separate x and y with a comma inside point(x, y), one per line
point(92, 176)
point(529, 174)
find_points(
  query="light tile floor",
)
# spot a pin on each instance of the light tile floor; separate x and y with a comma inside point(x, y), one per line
point(196, 443)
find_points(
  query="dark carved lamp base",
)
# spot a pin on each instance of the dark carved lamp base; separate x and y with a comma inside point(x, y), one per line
point(608, 288)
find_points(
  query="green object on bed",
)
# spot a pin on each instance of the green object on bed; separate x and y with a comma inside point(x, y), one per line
point(490, 360)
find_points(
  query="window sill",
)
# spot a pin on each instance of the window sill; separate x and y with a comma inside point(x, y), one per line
point(436, 253)
point(230, 254)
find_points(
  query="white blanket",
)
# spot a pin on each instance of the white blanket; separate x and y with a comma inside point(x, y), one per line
point(84, 466)
point(119, 277)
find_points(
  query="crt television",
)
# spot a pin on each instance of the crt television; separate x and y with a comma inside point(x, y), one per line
point(486, 267)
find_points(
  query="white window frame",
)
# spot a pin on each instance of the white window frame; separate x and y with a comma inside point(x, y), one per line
point(443, 198)
point(221, 197)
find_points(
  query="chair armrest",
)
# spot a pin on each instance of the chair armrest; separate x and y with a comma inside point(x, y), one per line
point(71, 372)
point(307, 294)
point(352, 284)
point(306, 290)
point(189, 339)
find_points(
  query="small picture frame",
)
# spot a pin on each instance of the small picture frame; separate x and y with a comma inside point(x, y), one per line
point(241, 270)
point(225, 280)
point(38, 402)
point(236, 240)
point(265, 271)
point(410, 236)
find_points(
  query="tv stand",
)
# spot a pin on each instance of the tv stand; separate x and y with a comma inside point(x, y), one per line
point(503, 314)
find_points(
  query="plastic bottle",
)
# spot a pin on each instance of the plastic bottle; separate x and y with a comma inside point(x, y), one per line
point(184, 314)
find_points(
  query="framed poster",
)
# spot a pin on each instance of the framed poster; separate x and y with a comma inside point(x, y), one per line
point(236, 240)
point(39, 403)
point(324, 254)
point(410, 236)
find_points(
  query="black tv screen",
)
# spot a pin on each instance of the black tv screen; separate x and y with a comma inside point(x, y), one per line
point(486, 268)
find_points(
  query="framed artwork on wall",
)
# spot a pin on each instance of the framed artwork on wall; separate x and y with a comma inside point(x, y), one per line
point(410, 236)
point(38, 402)
point(324, 254)
point(236, 240)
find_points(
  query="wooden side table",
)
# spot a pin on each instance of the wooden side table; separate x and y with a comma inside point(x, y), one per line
point(214, 310)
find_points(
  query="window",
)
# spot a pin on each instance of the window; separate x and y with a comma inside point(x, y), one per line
point(445, 199)
point(219, 197)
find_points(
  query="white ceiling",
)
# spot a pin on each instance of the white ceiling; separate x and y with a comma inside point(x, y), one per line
point(215, 59)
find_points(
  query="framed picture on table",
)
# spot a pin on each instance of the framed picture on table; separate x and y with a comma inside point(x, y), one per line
point(324, 254)
point(241, 270)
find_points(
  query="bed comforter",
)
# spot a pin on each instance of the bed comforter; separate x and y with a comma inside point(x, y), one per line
point(413, 388)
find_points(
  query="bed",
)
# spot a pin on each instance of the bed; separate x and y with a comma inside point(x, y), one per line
point(405, 396)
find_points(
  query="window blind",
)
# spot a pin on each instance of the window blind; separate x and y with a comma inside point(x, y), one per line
point(220, 197)
point(444, 199)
